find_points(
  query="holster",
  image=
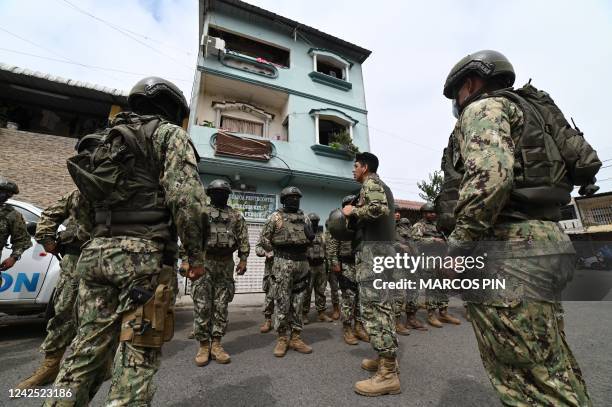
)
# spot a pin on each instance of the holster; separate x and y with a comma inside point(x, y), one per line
point(151, 324)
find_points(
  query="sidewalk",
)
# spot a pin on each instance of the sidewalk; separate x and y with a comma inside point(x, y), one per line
point(240, 301)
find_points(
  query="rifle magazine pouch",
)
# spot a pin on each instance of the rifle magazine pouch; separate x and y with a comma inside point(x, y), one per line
point(152, 323)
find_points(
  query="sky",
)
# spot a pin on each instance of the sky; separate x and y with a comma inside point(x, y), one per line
point(563, 46)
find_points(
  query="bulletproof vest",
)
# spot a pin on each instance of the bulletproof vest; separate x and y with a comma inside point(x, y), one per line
point(315, 250)
point(346, 249)
point(291, 231)
point(447, 198)
point(222, 236)
point(381, 229)
point(121, 180)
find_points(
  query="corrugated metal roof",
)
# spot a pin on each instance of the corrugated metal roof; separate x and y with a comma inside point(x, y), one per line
point(406, 204)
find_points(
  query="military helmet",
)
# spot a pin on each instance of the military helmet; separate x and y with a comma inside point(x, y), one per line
point(337, 226)
point(485, 63)
point(347, 200)
point(158, 94)
point(219, 184)
point(8, 186)
point(289, 191)
point(428, 207)
point(89, 141)
point(314, 217)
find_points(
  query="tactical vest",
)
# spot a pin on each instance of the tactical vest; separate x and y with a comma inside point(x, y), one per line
point(542, 157)
point(315, 252)
point(291, 231)
point(345, 250)
point(121, 180)
point(381, 229)
point(222, 239)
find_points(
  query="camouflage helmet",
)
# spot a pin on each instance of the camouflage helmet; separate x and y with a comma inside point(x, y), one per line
point(88, 141)
point(219, 184)
point(8, 186)
point(337, 226)
point(153, 94)
point(314, 217)
point(428, 207)
point(486, 64)
point(347, 200)
point(289, 191)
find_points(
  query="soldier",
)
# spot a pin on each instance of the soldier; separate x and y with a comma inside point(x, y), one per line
point(286, 237)
point(268, 308)
point(61, 329)
point(142, 182)
point(318, 273)
point(373, 215)
point(426, 232)
point(11, 225)
point(214, 290)
point(341, 255)
point(506, 193)
point(332, 278)
point(402, 225)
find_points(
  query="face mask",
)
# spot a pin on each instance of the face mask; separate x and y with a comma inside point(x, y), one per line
point(218, 198)
point(315, 225)
point(455, 109)
point(292, 203)
point(4, 196)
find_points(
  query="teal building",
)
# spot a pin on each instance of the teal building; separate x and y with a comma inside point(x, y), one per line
point(275, 103)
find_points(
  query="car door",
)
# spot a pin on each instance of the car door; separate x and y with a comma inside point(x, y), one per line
point(24, 280)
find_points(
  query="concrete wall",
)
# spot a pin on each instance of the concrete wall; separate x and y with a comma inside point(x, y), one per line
point(37, 163)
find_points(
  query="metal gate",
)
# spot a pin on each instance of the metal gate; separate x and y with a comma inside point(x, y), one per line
point(251, 281)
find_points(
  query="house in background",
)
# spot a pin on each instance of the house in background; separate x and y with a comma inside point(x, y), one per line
point(275, 103)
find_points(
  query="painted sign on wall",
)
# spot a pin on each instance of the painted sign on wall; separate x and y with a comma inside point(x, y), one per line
point(252, 205)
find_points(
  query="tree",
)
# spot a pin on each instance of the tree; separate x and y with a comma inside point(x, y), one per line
point(431, 188)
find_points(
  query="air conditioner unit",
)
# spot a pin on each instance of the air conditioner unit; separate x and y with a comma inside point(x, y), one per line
point(212, 45)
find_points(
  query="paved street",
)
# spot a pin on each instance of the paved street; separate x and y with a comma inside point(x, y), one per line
point(438, 368)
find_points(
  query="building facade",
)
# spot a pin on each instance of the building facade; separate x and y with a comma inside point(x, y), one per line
point(275, 103)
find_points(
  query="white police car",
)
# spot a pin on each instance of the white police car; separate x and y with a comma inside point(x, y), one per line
point(27, 288)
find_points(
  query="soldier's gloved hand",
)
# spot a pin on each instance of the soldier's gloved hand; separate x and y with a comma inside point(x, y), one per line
point(7, 263)
point(195, 272)
point(336, 268)
point(50, 247)
point(241, 268)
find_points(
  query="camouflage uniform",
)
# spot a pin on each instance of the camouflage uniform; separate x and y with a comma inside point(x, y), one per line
point(332, 278)
point(61, 329)
point(425, 231)
point(289, 269)
point(266, 284)
point(12, 225)
point(377, 310)
point(407, 301)
point(110, 267)
point(521, 342)
point(341, 253)
point(318, 274)
point(215, 290)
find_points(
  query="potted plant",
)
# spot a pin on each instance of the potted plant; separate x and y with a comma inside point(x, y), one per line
point(342, 141)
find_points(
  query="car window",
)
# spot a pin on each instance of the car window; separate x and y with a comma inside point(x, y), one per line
point(27, 215)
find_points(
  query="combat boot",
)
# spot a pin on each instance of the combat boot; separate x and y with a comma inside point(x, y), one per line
point(218, 353)
point(371, 365)
point(203, 355)
point(46, 373)
point(323, 317)
point(266, 326)
point(282, 343)
point(401, 329)
point(349, 336)
point(448, 318)
point(413, 322)
point(297, 344)
point(432, 319)
point(191, 335)
point(305, 319)
point(385, 381)
point(360, 332)
point(336, 314)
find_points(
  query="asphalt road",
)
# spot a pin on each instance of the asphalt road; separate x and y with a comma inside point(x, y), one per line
point(438, 368)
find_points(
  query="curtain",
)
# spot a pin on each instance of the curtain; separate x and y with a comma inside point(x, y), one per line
point(241, 126)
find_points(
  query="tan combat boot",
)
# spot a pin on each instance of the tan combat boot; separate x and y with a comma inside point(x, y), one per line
point(360, 332)
point(432, 319)
point(324, 318)
point(401, 329)
point(218, 353)
point(385, 381)
point(46, 373)
point(413, 322)
point(305, 319)
point(336, 314)
point(266, 326)
point(448, 318)
point(297, 344)
point(191, 335)
point(349, 336)
point(282, 343)
point(203, 355)
point(371, 365)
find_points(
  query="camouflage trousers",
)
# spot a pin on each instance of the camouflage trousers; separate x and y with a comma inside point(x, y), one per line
point(411, 301)
point(332, 279)
point(349, 310)
point(289, 284)
point(211, 295)
point(435, 299)
point(268, 308)
point(61, 329)
point(317, 283)
point(109, 269)
point(526, 355)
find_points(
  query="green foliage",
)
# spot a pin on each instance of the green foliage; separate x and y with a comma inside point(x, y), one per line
point(342, 141)
point(430, 189)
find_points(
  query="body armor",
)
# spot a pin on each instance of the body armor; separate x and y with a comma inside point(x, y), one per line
point(316, 252)
point(291, 231)
point(222, 239)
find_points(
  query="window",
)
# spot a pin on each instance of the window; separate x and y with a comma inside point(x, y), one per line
point(236, 125)
point(27, 215)
point(239, 117)
point(331, 67)
point(254, 49)
point(329, 129)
